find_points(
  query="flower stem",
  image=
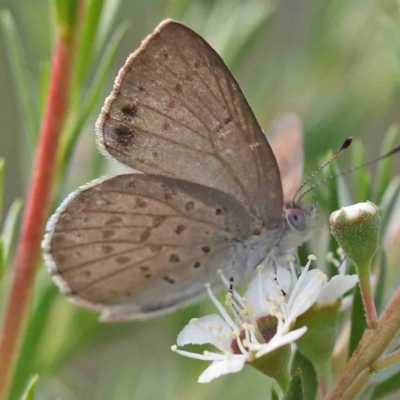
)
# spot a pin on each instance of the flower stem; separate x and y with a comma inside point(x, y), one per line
point(367, 296)
point(371, 347)
point(35, 213)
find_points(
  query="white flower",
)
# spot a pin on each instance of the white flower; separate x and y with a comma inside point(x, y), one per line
point(339, 284)
point(262, 319)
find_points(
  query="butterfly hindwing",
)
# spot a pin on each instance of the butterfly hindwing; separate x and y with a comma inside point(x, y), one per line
point(140, 244)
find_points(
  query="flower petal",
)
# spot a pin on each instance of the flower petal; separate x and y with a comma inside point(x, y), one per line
point(336, 287)
point(218, 368)
point(198, 332)
point(281, 340)
point(268, 287)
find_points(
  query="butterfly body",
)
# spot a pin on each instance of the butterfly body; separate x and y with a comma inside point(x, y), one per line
point(210, 195)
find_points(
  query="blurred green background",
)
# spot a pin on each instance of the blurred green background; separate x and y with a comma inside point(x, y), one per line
point(335, 63)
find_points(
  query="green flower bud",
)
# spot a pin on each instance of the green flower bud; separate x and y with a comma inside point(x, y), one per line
point(357, 228)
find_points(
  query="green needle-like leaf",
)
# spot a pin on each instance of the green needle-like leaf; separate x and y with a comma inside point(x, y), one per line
point(10, 229)
point(1, 187)
point(85, 51)
point(310, 381)
point(295, 390)
point(94, 92)
point(380, 287)
point(385, 167)
point(361, 178)
point(29, 393)
point(22, 80)
point(358, 321)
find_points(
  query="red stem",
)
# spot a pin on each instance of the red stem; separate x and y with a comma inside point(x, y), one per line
point(37, 204)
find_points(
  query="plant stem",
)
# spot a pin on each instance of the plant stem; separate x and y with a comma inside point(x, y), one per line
point(38, 200)
point(356, 387)
point(367, 296)
point(388, 360)
point(371, 347)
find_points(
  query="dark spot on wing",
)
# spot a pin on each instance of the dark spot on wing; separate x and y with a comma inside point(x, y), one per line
point(227, 120)
point(166, 56)
point(189, 206)
point(179, 229)
point(130, 110)
point(144, 268)
point(157, 221)
point(122, 260)
point(113, 220)
point(165, 126)
point(132, 184)
point(107, 249)
point(145, 234)
point(178, 88)
point(141, 203)
point(205, 249)
point(141, 88)
point(168, 279)
point(196, 265)
point(108, 233)
point(218, 211)
point(147, 276)
point(174, 258)
point(123, 135)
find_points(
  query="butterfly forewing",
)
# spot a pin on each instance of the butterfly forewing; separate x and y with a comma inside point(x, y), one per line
point(137, 244)
point(177, 111)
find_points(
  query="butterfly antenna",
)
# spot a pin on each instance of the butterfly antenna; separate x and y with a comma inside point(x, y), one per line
point(349, 171)
point(344, 146)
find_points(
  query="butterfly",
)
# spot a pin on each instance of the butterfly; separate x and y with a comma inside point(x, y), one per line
point(207, 191)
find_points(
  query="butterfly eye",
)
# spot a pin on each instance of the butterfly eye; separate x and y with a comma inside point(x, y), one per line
point(296, 218)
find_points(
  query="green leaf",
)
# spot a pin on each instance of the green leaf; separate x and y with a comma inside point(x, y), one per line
point(30, 390)
point(22, 80)
point(1, 187)
point(387, 386)
point(380, 288)
point(66, 17)
point(274, 394)
point(392, 31)
point(10, 229)
point(310, 381)
point(31, 342)
point(94, 92)
point(44, 84)
point(358, 320)
point(295, 390)
point(87, 37)
point(2, 264)
point(362, 178)
point(388, 203)
point(385, 167)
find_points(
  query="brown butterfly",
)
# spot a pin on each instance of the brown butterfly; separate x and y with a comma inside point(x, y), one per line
point(209, 194)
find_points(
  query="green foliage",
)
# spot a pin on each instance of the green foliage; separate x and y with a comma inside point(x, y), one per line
point(332, 63)
point(295, 390)
point(29, 393)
